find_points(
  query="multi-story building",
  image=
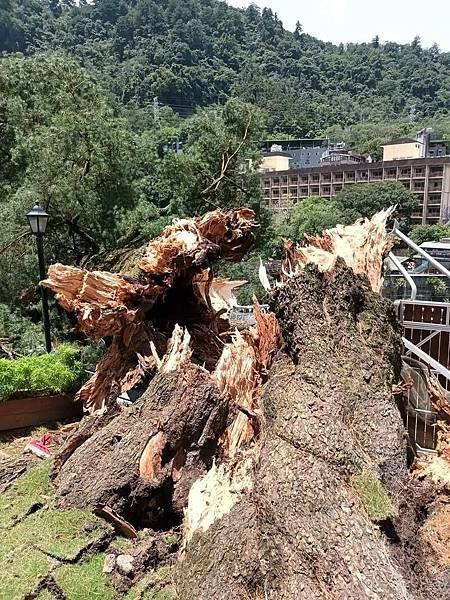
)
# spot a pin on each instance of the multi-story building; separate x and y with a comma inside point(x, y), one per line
point(427, 178)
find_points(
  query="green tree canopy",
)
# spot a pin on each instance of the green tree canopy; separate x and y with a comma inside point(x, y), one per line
point(364, 200)
point(313, 215)
point(429, 233)
point(193, 53)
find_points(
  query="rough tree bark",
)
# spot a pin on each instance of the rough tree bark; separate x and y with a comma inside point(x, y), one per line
point(277, 450)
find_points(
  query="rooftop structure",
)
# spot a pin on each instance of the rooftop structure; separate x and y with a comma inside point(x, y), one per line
point(426, 144)
point(303, 152)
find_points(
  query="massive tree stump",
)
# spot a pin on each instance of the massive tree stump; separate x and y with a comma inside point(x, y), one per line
point(329, 413)
point(281, 449)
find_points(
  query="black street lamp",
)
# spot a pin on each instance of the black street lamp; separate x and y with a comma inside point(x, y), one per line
point(38, 219)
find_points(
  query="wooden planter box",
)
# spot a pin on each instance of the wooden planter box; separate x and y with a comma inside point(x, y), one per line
point(25, 412)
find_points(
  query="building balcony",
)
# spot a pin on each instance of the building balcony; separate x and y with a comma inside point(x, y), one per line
point(418, 173)
point(362, 176)
point(390, 174)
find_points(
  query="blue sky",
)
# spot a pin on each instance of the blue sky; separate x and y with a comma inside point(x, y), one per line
point(359, 21)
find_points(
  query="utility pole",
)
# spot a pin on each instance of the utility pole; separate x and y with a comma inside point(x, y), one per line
point(156, 110)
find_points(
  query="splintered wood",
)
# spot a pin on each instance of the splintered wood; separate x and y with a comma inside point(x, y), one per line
point(128, 308)
point(362, 246)
point(240, 372)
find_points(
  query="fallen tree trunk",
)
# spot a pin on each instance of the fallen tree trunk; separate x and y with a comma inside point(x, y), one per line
point(329, 418)
point(287, 455)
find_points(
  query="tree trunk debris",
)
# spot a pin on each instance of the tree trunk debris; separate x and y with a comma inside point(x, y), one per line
point(279, 450)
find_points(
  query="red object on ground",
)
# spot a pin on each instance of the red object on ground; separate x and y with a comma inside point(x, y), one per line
point(41, 446)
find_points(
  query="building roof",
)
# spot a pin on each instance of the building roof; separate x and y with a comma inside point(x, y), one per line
point(327, 168)
point(402, 141)
point(435, 245)
point(277, 153)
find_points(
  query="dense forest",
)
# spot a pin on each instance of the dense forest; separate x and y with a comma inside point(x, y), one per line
point(80, 133)
point(192, 53)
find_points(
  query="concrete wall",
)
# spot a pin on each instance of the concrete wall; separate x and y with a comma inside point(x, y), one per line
point(275, 163)
point(402, 151)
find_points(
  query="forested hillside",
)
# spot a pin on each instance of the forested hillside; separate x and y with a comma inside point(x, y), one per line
point(78, 131)
point(193, 53)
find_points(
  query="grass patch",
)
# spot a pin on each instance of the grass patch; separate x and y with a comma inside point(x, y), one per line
point(49, 373)
point(31, 488)
point(21, 568)
point(374, 497)
point(46, 595)
point(63, 533)
point(85, 580)
point(153, 586)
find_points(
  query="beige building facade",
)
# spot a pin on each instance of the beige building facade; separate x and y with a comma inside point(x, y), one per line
point(427, 178)
point(275, 161)
point(403, 149)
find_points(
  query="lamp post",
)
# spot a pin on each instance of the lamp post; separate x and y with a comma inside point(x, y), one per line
point(38, 219)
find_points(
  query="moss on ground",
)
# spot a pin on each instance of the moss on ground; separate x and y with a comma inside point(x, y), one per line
point(374, 497)
point(153, 586)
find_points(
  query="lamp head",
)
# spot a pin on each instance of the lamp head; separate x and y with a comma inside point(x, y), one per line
point(38, 219)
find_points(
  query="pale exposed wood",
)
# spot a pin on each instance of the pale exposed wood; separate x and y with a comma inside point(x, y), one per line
point(362, 246)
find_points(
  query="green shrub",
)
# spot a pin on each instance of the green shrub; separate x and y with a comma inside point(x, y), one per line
point(56, 372)
point(20, 333)
point(438, 287)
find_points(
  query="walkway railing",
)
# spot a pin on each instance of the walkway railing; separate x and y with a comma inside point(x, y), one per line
point(426, 341)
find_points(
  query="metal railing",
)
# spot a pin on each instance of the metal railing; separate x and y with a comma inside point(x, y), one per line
point(426, 340)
